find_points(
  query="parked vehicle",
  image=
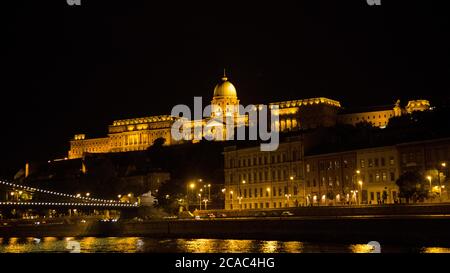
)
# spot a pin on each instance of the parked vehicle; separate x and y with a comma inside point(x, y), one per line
point(287, 213)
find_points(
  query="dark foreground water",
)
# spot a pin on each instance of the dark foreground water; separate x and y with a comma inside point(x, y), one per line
point(151, 245)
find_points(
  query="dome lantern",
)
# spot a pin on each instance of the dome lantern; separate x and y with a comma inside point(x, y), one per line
point(225, 88)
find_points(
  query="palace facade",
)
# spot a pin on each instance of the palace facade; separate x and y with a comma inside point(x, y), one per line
point(140, 133)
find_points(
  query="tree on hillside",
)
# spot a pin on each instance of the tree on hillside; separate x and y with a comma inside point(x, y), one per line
point(412, 186)
point(168, 195)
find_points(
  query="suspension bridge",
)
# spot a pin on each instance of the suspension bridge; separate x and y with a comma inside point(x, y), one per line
point(53, 199)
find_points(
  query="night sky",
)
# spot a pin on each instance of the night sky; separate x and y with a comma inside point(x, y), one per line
point(70, 69)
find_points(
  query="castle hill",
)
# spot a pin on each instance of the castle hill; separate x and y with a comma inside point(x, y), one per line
point(307, 127)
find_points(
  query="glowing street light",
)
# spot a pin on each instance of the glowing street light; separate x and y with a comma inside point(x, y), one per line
point(429, 179)
point(209, 192)
point(443, 165)
point(88, 194)
point(361, 185)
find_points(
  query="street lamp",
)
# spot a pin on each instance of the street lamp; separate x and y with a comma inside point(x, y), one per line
point(240, 192)
point(360, 185)
point(443, 165)
point(88, 194)
point(240, 202)
point(231, 194)
point(287, 199)
point(429, 179)
point(200, 200)
point(209, 192)
point(192, 187)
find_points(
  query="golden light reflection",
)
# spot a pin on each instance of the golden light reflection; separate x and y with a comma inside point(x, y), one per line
point(361, 248)
point(269, 247)
point(214, 245)
point(200, 245)
point(49, 242)
point(293, 247)
point(13, 240)
point(88, 242)
point(125, 245)
point(49, 239)
point(14, 246)
point(238, 246)
point(435, 250)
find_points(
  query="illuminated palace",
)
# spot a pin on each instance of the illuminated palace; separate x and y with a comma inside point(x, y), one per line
point(140, 133)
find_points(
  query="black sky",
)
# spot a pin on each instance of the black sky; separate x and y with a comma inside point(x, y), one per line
point(75, 69)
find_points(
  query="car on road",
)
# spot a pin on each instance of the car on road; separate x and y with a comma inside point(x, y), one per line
point(197, 217)
point(287, 213)
point(211, 215)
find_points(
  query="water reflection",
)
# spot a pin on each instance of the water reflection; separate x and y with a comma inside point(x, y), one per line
point(435, 250)
point(361, 248)
point(293, 247)
point(269, 247)
point(152, 245)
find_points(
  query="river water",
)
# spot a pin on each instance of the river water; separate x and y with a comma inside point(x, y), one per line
point(152, 245)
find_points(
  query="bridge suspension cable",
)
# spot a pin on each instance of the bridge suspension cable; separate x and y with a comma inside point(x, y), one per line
point(81, 198)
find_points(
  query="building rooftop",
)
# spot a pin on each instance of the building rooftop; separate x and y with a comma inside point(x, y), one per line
point(354, 110)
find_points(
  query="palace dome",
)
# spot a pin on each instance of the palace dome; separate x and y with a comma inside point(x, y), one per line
point(225, 89)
